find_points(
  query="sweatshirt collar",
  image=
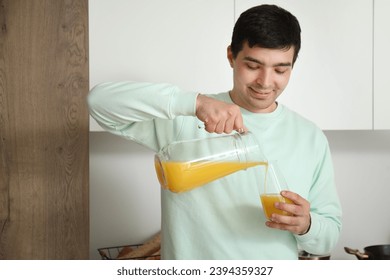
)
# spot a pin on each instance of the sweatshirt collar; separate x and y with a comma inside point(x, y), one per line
point(258, 116)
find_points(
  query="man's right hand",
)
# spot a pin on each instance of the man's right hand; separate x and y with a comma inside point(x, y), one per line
point(218, 116)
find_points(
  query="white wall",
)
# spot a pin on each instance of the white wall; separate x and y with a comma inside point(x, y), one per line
point(125, 195)
point(362, 166)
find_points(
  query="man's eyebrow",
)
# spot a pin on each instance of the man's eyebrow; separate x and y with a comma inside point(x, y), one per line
point(248, 58)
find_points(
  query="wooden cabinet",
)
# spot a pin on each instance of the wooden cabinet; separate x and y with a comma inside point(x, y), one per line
point(174, 41)
point(381, 64)
point(331, 82)
point(44, 160)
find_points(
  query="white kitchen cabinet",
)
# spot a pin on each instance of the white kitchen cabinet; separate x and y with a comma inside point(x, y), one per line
point(338, 81)
point(174, 41)
point(331, 82)
point(381, 64)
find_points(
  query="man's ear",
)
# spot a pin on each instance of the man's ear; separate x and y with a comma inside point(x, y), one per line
point(230, 56)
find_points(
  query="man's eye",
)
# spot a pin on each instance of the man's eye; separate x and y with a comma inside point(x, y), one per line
point(281, 71)
point(252, 66)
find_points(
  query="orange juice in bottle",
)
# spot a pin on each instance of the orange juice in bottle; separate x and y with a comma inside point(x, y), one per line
point(184, 176)
point(183, 166)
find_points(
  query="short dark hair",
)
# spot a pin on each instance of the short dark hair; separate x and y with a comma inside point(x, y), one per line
point(266, 26)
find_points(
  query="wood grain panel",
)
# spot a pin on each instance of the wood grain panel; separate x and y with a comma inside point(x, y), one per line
point(44, 129)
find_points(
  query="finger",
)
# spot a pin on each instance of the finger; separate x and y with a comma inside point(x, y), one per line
point(284, 219)
point(291, 209)
point(296, 198)
point(292, 229)
point(295, 224)
point(242, 130)
point(220, 127)
point(277, 225)
point(209, 127)
point(229, 124)
point(301, 206)
point(239, 123)
point(290, 223)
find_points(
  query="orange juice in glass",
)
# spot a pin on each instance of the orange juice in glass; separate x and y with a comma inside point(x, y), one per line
point(274, 183)
point(268, 201)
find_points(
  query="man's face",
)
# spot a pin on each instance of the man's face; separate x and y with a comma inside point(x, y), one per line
point(260, 75)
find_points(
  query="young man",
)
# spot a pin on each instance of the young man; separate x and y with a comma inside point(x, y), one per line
point(223, 219)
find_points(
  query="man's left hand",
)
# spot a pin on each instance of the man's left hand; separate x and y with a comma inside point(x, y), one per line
point(299, 221)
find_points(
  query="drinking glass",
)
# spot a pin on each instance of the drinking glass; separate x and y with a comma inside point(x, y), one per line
point(274, 183)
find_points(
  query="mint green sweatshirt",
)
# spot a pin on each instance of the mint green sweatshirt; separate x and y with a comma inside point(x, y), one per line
point(224, 219)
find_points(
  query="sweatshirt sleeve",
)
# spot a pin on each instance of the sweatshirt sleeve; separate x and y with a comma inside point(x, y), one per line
point(325, 210)
point(130, 109)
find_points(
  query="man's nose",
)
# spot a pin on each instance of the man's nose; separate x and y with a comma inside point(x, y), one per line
point(264, 78)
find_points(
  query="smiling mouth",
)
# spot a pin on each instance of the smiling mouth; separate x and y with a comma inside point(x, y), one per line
point(260, 93)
